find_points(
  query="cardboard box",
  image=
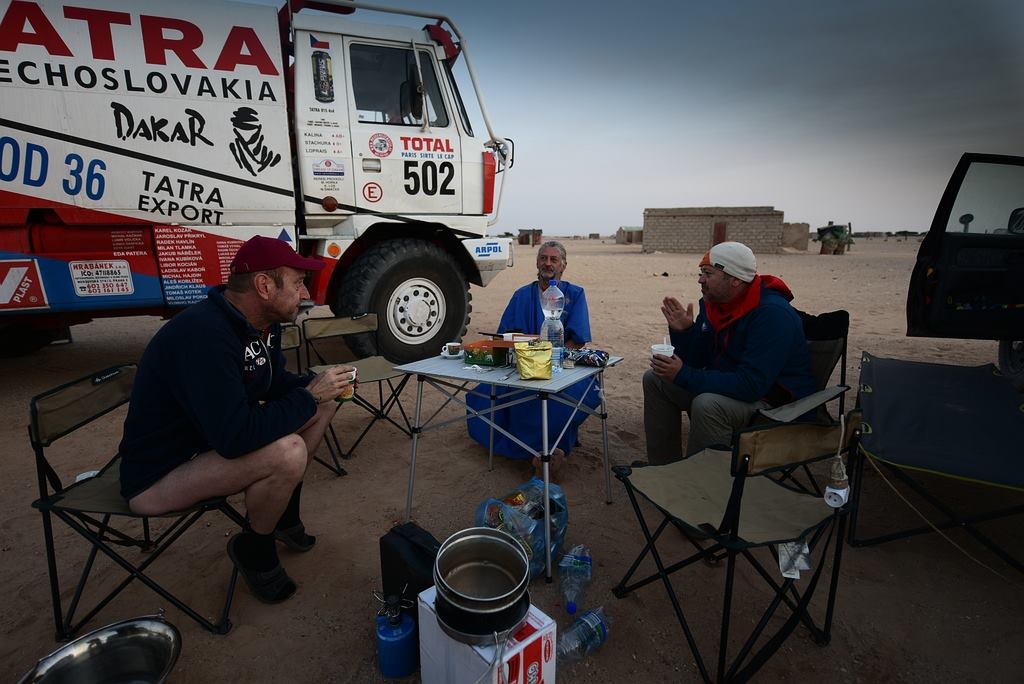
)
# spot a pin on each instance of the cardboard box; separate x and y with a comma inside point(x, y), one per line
point(487, 352)
point(529, 656)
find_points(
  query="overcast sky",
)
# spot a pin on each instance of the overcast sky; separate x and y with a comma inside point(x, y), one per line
point(845, 111)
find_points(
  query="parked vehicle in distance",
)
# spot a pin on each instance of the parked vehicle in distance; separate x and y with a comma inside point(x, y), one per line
point(968, 281)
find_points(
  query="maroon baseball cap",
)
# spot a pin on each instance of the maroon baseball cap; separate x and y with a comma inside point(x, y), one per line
point(265, 254)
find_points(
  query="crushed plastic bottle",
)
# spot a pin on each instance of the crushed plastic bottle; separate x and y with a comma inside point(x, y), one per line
point(552, 301)
point(575, 571)
point(586, 633)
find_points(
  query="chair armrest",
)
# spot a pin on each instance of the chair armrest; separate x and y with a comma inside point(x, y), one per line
point(787, 413)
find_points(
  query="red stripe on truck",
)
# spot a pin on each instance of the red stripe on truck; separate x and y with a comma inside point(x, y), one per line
point(490, 168)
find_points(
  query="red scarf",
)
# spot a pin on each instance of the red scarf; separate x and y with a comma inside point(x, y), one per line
point(723, 315)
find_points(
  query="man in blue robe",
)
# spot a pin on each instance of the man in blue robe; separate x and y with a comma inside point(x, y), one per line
point(524, 314)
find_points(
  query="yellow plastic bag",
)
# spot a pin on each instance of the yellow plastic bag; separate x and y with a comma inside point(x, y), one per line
point(533, 360)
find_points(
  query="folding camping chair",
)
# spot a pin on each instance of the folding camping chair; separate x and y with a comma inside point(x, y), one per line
point(738, 501)
point(826, 336)
point(93, 506)
point(291, 341)
point(370, 370)
point(958, 422)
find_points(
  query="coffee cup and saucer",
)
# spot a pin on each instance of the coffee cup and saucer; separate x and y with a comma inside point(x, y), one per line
point(452, 350)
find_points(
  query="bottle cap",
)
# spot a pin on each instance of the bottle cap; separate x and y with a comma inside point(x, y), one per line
point(552, 283)
point(570, 607)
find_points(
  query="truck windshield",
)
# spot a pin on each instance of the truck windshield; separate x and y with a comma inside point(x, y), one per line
point(382, 79)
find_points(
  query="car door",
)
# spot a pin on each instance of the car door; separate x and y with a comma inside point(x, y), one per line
point(406, 158)
point(968, 281)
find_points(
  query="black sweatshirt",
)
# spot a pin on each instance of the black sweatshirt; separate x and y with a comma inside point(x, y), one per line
point(208, 380)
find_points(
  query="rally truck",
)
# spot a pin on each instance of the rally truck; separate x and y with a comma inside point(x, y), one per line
point(142, 142)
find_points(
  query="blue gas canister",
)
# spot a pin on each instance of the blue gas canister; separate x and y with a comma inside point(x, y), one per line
point(397, 646)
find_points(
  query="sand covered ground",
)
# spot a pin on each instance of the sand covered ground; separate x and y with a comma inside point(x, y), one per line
point(915, 610)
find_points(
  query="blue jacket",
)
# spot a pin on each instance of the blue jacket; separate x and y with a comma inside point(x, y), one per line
point(208, 380)
point(523, 313)
point(763, 355)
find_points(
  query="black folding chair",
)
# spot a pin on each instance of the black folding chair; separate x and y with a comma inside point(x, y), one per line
point(371, 370)
point(93, 507)
point(826, 335)
point(939, 420)
point(734, 501)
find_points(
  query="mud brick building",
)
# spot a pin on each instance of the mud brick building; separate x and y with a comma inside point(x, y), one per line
point(628, 235)
point(696, 229)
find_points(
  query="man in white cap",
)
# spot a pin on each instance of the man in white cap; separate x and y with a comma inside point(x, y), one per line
point(744, 350)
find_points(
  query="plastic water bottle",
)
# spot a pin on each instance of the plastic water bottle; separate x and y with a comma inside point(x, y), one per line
point(552, 301)
point(575, 570)
point(586, 633)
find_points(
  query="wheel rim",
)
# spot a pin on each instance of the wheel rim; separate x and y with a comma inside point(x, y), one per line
point(416, 311)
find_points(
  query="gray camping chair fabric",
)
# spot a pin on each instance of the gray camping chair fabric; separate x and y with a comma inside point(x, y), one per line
point(958, 421)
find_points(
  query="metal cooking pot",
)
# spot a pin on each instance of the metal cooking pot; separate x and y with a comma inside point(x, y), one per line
point(138, 650)
point(481, 575)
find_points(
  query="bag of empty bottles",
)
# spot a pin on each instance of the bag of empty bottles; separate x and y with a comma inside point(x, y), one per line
point(587, 357)
point(521, 514)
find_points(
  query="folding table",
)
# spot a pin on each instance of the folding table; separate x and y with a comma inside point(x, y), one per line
point(450, 377)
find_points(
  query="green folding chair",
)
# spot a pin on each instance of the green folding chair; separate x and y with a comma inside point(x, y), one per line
point(372, 371)
point(92, 506)
point(734, 502)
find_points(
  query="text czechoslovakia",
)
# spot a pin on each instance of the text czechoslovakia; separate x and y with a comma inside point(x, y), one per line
point(25, 23)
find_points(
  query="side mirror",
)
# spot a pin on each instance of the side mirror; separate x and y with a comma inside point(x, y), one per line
point(965, 221)
point(412, 93)
point(1015, 226)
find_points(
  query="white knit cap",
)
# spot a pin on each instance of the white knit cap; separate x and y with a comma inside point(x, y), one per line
point(735, 258)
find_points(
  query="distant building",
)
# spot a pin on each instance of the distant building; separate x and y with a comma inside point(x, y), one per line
point(628, 235)
point(796, 236)
point(696, 229)
point(530, 236)
point(594, 236)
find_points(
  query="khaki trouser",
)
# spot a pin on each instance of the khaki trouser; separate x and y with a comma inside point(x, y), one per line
point(713, 418)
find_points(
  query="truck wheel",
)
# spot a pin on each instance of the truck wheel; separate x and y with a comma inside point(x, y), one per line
point(1011, 361)
point(420, 296)
point(16, 342)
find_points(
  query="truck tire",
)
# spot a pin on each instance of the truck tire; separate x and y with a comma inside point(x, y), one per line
point(1011, 361)
point(420, 295)
point(15, 342)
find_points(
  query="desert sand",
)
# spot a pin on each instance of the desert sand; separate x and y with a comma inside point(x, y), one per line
point(914, 610)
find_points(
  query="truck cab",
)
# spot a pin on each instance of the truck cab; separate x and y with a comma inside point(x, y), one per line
point(389, 163)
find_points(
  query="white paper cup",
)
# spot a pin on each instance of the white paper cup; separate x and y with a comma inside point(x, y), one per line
point(663, 349)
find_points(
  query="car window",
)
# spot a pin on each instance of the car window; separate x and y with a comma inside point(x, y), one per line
point(987, 200)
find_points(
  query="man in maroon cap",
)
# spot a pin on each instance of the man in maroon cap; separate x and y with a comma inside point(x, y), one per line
point(214, 412)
